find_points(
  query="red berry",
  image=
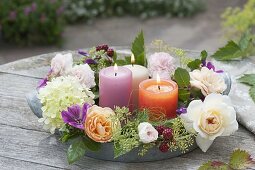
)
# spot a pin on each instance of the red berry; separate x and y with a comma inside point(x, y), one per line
point(110, 52)
point(167, 134)
point(160, 129)
point(104, 47)
point(164, 147)
point(98, 48)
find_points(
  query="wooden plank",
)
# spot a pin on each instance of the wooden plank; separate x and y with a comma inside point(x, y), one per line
point(14, 164)
point(38, 66)
point(43, 148)
point(14, 108)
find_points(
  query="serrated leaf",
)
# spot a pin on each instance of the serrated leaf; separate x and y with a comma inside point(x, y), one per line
point(240, 159)
point(248, 79)
point(214, 165)
point(182, 77)
point(195, 64)
point(183, 94)
point(252, 93)
point(76, 150)
point(91, 145)
point(138, 49)
point(230, 51)
point(203, 55)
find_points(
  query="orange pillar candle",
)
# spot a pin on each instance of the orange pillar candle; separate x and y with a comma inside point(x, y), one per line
point(159, 97)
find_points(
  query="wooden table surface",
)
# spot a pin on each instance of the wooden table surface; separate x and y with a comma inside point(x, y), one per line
point(25, 145)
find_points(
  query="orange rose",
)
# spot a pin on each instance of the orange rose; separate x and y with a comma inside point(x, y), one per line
point(98, 125)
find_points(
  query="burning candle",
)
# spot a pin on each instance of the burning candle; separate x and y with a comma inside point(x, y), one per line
point(115, 86)
point(159, 96)
point(139, 73)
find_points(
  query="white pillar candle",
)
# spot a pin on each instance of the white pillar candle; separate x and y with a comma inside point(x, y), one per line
point(139, 73)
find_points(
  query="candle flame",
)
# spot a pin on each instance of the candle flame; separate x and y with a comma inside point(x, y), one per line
point(132, 59)
point(115, 67)
point(158, 78)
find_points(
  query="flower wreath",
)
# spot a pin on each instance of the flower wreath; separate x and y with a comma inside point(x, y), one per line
point(69, 97)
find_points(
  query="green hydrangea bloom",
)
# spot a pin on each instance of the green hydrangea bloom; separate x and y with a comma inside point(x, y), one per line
point(59, 94)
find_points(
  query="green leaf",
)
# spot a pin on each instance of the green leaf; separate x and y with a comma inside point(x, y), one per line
point(183, 94)
point(138, 49)
point(240, 159)
point(114, 56)
point(182, 77)
point(245, 40)
point(203, 55)
point(142, 116)
point(76, 150)
point(91, 145)
point(252, 93)
point(195, 64)
point(248, 79)
point(214, 165)
point(121, 62)
point(230, 51)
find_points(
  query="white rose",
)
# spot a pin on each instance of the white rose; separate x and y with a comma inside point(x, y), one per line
point(84, 74)
point(207, 81)
point(212, 118)
point(147, 133)
point(61, 64)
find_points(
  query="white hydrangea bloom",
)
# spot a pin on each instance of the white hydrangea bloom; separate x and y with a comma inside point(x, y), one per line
point(59, 94)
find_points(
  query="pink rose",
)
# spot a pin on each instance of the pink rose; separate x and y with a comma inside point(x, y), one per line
point(61, 64)
point(84, 74)
point(161, 63)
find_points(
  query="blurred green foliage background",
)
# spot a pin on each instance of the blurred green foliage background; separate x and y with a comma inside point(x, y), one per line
point(27, 22)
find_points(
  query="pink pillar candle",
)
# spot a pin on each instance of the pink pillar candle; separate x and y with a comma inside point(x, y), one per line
point(115, 86)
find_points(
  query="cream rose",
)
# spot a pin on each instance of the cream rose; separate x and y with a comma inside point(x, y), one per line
point(207, 81)
point(61, 64)
point(98, 125)
point(212, 118)
point(84, 74)
point(147, 133)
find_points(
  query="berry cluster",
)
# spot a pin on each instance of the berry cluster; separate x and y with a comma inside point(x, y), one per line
point(109, 51)
point(167, 135)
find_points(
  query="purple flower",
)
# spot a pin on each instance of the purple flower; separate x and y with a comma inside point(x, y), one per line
point(33, 7)
point(42, 83)
point(210, 66)
point(90, 61)
point(75, 115)
point(181, 110)
point(12, 15)
point(27, 10)
point(81, 52)
point(60, 10)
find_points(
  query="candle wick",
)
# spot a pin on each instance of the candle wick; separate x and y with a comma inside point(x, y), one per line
point(158, 87)
point(115, 74)
point(132, 64)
